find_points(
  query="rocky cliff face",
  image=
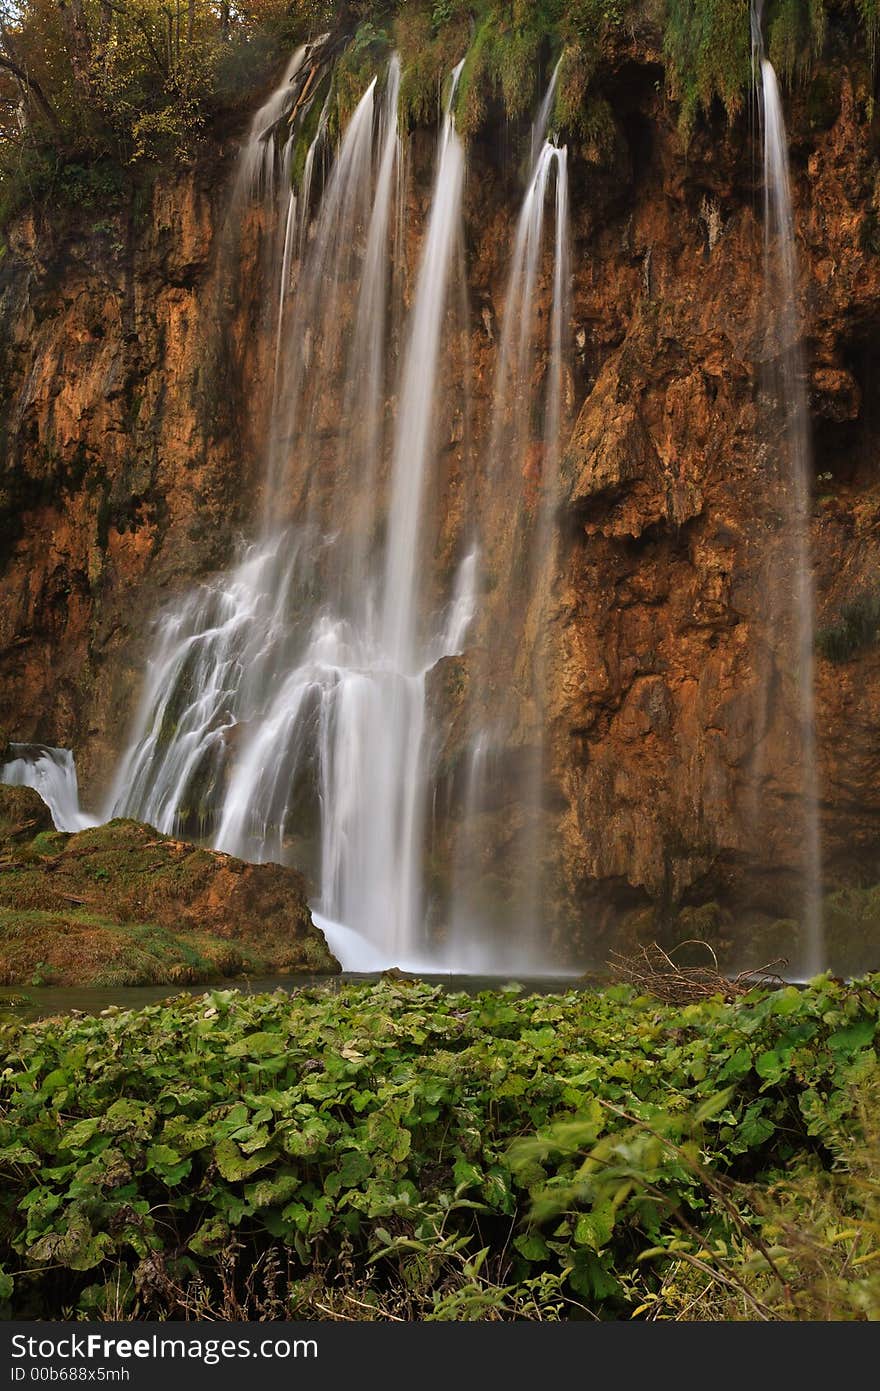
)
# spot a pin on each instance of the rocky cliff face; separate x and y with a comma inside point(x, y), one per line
point(675, 721)
point(130, 374)
point(674, 771)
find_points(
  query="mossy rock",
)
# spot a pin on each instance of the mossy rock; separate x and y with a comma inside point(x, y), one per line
point(702, 923)
point(121, 904)
point(699, 936)
point(23, 814)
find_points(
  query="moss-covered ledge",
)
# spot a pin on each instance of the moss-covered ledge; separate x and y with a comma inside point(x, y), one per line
point(123, 905)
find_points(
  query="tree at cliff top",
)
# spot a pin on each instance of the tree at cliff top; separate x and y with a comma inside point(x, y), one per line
point(128, 80)
point(135, 80)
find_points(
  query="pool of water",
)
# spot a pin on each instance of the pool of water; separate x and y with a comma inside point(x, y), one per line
point(41, 1002)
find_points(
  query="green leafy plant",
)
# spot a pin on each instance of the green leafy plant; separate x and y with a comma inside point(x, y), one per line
point(417, 1145)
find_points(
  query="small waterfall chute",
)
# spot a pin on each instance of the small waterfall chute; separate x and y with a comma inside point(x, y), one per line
point(504, 760)
point(52, 773)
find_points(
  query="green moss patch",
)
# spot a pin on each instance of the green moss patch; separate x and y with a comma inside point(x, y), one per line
point(123, 905)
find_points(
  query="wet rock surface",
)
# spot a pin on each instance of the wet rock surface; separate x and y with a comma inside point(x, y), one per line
point(673, 772)
point(123, 905)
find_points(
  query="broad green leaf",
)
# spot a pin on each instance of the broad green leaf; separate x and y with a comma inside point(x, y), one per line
point(234, 1165)
point(532, 1246)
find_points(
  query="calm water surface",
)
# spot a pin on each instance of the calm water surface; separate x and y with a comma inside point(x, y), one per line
point(44, 1001)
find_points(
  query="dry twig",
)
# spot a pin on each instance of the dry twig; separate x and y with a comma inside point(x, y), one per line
point(653, 971)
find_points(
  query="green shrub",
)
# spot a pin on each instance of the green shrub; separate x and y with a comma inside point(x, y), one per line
point(857, 627)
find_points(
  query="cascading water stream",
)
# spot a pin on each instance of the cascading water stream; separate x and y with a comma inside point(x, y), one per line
point(361, 435)
point(257, 163)
point(223, 657)
point(508, 708)
point(541, 123)
point(544, 564)
point(313, 339)
point(784, 335)
point(416, 412)
point(284, 714)
point(374, 769)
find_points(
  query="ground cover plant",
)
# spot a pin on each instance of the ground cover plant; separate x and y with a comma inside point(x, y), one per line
point(394, 1150)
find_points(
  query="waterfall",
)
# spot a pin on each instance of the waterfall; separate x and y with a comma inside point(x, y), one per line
point(52, 773)
point(362, 435)
point(416, 411)
point(796, 577)
point(263, 171)
point(508, 698)
point(374, 737)
point(256, 170)
point(541, 123)
point(313, 352)
point(284, 712)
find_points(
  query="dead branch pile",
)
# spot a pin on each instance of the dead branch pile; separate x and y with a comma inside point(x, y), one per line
point(653, 972)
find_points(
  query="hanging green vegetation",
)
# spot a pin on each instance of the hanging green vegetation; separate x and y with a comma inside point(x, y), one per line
point(430, 41)
point(797, 35)
point(362, 59)
point(707, 45)
point(128, 84)
point(857, 626)
point(581, 111)
point(869, 12)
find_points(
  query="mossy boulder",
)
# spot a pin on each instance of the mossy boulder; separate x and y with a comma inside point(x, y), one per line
point(23, 814)
point(121, 904)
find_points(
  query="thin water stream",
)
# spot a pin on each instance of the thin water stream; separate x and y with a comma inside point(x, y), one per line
point(793, 574)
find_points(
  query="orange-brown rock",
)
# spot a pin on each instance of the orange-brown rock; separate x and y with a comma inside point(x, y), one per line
point(130, 382)
point(674, 758)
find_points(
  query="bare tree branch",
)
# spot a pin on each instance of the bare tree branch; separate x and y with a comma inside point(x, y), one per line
point(32, 88)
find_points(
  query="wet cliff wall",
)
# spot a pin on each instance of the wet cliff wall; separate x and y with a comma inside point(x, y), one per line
point(133, 375)
point(675, 724)
point(130, 373)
